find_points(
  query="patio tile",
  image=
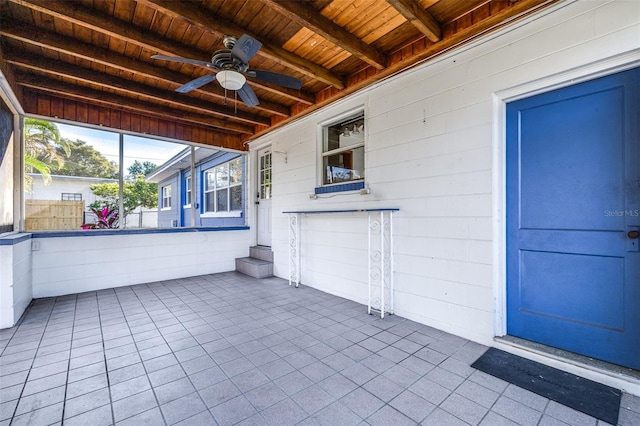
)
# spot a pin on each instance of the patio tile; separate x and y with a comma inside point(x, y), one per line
point(444, 378)
point(249, 380)
point(182, 408)
point(200, 419)
point(528, 398)
point(293, 382)
point(126, 373)
point(358, 374)
point(136, 404)
point(198, 364)
point(477, 393)
point(189, 353)
point(284, 413)
point(265, 396)
point(100, 416)
point(86, 372)
point(166, 375)
point(313, 399)
point(518, 412)
point(233, 411)
point(431, 391)
point(43, 384)
point(439, 417)
point(44, 416)
point(87, 385)
point(362, 402)
point(493, 419)
point(565, 414)
point(219, 393)
point(150, 417)
point(337, 414)
point(86, 402)
point(237, 366)
point(130, 387)
point(309, 359)
point(205, 378)
point(464, 408)
point(412, 406)
point(383, 388)
point(317, 371)
point(35, 401)
point(389, 416)
point(10, 393)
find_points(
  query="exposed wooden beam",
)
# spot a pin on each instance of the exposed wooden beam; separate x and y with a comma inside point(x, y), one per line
point(58, 43)
point(307, 17)
point(419, 17)
point(111, 100)
point(208, 22)
point(114, 27)
point(61, 69)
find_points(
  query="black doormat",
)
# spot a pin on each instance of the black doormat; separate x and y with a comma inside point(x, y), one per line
point(589, 397)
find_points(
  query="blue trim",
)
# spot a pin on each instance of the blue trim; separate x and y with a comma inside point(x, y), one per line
point(11, 240)
point(100, 232)
point(392, 209)
point(351, 186)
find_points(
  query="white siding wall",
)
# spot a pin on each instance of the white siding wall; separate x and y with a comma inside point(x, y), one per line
point(15, 281)
point(68, 265)
point(432, 136)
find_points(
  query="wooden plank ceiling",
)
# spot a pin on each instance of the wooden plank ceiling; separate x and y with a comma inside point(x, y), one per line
point(90, 60)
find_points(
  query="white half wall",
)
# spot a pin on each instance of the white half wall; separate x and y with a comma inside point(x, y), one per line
point(15, 279)
point(66, 264)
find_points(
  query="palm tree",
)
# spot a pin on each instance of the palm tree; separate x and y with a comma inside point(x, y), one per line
point(43, 148)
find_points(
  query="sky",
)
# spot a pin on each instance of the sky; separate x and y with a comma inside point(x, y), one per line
point(135, 148)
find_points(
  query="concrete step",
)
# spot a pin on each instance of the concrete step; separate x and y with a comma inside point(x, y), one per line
point(261, 252)
point(256, 268)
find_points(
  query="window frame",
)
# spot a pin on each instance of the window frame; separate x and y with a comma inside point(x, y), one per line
point(353, 114)
point(74, 194)
point(206, 189)
point(188, 192)
point(166, 197)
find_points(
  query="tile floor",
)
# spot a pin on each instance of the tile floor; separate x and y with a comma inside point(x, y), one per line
point(227, 349)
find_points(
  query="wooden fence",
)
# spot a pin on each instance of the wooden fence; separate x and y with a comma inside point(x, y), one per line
point(44, 215)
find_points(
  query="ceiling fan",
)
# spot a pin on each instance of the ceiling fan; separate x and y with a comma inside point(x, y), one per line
point(232, 65)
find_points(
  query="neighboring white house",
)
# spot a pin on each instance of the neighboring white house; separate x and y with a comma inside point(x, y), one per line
point(74, 188)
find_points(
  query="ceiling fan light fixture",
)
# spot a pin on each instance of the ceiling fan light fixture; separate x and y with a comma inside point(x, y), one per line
point(231, 80)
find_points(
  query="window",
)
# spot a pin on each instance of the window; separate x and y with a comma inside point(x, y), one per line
point(343, 150)
point(223, 187)
point(187, 191)
point(166, 197)
point(71, 196)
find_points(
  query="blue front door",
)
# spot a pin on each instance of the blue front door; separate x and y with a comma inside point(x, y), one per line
point(573, 201)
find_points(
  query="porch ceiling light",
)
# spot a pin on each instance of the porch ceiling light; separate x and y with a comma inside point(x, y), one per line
point(231, 80)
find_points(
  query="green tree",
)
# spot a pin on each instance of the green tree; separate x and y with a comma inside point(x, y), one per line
point(85, 160)
point(136, 193)
point(43, 148)
point(138, 168)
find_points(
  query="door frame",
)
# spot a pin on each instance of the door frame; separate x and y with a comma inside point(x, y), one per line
point(500, 99)
point(253, 187)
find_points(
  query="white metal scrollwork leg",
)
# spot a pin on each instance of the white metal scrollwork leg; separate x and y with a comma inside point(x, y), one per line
point(294, 248)
point(380, 253)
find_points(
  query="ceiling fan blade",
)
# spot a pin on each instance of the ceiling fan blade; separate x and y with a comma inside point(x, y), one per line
point(276, 78)
point(198, 82)
point(248, 96)
point(184, 60)
point(246, 48)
